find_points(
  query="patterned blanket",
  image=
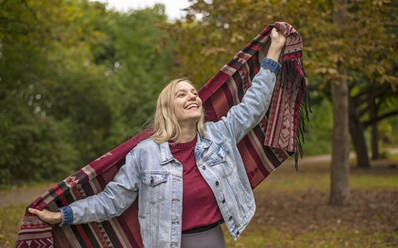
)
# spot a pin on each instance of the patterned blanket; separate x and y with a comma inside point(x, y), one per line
point(271, 142)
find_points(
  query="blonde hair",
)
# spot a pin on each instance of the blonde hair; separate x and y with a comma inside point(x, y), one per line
point(166, 126)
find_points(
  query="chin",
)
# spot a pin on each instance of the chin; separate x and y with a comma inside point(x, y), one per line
point(195, 118)
point(190, 116)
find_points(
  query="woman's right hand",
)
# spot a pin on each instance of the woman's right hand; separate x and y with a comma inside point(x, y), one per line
point(47, 216)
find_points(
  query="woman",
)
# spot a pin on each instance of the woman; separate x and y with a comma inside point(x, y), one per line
point(189, 176)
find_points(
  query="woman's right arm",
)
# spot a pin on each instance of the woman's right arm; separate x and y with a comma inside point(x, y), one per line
point(117, 196)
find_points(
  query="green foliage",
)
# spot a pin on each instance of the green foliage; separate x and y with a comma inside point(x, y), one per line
point(319, 130)
point(77, 80)
point(141, 62)
point(34, 147)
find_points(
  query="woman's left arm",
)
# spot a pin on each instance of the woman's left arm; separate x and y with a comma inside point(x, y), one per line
point(242, 117)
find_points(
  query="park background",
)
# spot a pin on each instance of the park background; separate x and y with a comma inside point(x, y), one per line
point(78, 78)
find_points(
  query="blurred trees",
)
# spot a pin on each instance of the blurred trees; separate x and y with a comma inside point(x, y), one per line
point(76, 80)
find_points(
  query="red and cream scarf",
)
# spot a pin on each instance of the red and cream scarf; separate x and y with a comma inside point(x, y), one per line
point(263, 149)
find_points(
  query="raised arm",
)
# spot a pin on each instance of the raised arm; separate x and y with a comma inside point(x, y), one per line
point(117, 196)
point(242, 117)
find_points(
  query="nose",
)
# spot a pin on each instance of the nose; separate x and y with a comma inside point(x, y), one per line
point(192, 96)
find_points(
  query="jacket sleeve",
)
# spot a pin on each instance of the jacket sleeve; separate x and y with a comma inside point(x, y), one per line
point(117, 196)
point(244, 116)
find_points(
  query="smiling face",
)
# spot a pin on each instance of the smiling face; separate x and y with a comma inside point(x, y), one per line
point(187, 103)
point(178, 109)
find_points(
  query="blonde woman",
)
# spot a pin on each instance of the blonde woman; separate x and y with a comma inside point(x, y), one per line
point(189, 176)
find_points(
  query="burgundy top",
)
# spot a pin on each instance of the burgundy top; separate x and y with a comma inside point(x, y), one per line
point(199, 206)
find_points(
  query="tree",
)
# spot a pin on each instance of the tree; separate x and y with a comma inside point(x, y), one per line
point(77, 79)
point(33, 145)
point(339, 188)
point(369, 106)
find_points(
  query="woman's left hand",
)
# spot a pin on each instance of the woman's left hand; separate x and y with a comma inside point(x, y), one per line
point(277, 43)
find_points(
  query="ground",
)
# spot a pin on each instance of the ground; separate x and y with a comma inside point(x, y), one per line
point(292, 208)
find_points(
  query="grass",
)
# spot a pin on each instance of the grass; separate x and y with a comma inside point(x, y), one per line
point(365, 223)
point(344, 237)
point(393, 156)
point(292, 210)
point(10, 218)
point(30, 184)
point(317, 176)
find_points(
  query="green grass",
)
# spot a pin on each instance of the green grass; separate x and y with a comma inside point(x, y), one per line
point(317, 176)
point(31, 184)
point(369, 181)
point(10, 218)
point(393, 156)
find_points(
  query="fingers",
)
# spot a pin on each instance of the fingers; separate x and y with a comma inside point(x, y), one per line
point(33, 211)
point(277, 43)
point(277, 39)
point(277, 35)
point(47, 216)
point(39, 213)
point(274, 32)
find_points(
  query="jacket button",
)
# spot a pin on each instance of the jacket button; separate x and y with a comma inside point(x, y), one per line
point(230, 218)
point(204, 167)
point(217, 183)
point(223, 201)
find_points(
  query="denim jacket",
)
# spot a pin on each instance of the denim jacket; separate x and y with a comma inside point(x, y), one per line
point(155, 176)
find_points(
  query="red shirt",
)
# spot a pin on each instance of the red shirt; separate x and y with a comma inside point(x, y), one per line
point(199, 206)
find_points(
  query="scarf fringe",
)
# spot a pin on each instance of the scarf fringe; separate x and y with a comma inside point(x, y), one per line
point(292, 72)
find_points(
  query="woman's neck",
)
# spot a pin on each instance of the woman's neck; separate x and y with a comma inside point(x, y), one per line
point(188, 133)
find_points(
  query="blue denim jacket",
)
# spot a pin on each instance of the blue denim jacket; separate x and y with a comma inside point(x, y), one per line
point(155, 176)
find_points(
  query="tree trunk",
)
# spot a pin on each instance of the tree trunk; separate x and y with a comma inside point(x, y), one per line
point(358, 137)
point(340, 190)
point(339, 168)
point(374, 137)
point(375, 140)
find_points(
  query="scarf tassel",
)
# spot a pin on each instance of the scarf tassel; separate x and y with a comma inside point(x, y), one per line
point(292, 72)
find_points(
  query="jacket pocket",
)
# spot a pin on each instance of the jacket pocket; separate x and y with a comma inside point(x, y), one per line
point(217, 161)
point(155, 183)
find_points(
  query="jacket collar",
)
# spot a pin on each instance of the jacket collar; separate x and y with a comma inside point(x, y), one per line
point(202, 144)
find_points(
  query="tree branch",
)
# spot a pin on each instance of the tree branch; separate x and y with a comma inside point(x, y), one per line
point(361, 98)
point(379, 118)
point(7, 20)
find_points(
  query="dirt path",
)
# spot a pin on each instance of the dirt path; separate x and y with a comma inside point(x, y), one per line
point(25, 195)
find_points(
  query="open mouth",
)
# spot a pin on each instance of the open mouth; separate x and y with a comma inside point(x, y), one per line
point(192, 106)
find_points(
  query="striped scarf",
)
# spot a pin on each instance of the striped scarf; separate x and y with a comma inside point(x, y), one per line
point(263, 149)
